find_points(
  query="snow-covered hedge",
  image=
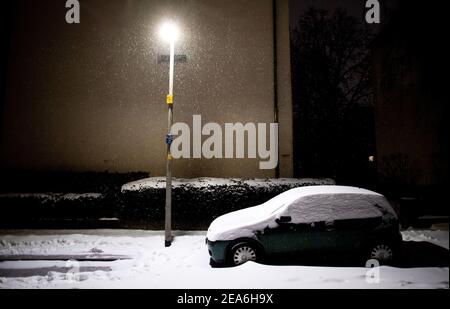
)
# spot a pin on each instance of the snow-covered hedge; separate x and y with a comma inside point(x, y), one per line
point(61, 199)
point(140, 204)
point(39, 210)
point(197, 202)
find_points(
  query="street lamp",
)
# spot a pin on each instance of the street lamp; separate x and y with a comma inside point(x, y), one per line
point(169, 33)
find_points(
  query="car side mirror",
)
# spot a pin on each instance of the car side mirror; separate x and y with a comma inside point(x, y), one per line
point(284, 220)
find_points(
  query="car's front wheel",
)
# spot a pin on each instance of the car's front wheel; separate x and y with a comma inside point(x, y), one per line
point(242, 253)
point(383, 253)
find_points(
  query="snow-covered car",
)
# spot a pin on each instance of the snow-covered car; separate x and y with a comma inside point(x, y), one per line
point(305, 220)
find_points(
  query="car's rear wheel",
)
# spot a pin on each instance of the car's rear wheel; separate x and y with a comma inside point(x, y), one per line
point(242, 253)
point(383, 253)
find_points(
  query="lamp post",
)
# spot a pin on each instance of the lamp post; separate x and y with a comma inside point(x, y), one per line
point(169, 32)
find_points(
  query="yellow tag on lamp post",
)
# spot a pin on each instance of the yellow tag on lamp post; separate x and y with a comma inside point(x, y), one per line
point(170, 99)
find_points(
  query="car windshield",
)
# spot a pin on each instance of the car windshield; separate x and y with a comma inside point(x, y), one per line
point(276, 210)
point(279, 202)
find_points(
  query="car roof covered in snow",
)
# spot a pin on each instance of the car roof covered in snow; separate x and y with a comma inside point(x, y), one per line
point(314, 190)
point(340, 196)
point(293, 195)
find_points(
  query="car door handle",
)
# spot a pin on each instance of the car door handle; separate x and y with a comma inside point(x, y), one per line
point(329, 226)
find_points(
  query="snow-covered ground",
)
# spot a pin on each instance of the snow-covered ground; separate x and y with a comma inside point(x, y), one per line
point(185, 264)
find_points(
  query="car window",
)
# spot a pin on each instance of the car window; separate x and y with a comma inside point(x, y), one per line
point(365, 223)
point(278, 202)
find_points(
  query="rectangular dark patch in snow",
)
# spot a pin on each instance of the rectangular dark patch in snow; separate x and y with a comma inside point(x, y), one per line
point(31, 272)
point(80, 258)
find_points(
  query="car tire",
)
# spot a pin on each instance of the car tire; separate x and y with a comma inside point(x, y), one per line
point(243, 252)
point(384, 253)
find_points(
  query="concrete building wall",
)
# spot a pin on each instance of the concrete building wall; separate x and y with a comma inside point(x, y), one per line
point(91, 97)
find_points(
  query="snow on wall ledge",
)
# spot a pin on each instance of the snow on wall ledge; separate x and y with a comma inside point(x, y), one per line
point(54, 197)
point(160, 183)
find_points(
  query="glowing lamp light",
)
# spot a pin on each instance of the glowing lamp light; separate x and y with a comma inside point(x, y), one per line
point(169, 32)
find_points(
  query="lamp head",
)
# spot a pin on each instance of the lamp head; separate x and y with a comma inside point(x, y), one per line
point(169, 32)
